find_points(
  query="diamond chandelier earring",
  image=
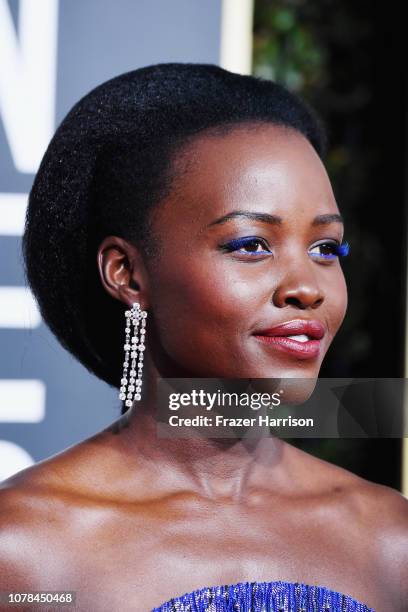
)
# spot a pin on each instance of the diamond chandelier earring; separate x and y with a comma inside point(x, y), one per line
point(131, 382)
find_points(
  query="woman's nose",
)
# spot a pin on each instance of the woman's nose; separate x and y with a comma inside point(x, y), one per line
point(301, 294)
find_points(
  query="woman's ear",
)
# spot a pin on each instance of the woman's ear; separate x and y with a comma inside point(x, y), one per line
point(122, 271)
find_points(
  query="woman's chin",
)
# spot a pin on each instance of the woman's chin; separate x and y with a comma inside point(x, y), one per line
point(293, 390)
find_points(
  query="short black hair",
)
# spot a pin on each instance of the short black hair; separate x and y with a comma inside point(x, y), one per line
point(108, 164)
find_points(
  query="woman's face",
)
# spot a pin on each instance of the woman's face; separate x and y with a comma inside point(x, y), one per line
point(241, 235)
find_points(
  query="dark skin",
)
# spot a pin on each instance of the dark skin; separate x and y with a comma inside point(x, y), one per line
point(129, 520)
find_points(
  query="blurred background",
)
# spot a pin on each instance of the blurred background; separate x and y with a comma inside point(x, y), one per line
point(344, 57)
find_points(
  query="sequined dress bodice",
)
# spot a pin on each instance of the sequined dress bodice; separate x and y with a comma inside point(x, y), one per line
point(277, 596)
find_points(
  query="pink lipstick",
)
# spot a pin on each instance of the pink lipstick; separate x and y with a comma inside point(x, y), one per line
point(299, 337)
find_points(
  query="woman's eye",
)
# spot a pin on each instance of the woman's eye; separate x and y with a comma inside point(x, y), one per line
point(250, 245)
point(330, 250)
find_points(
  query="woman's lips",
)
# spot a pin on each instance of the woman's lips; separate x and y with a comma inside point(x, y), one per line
point(307, 346)
point(301, 350)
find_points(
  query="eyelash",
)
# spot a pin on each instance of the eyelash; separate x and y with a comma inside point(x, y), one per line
point(338, 250)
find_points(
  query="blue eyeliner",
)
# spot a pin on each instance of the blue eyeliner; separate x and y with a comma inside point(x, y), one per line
point(238, 243)
point(338, 250)
point(343, 249)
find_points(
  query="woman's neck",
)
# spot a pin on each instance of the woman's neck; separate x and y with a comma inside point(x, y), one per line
point(213, 467)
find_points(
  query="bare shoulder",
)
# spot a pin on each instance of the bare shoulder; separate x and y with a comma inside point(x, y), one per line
point(26, 522)
point(381, 508)
point(377, 515)
point(44, 510)
point(385, 511)
point(383, 514)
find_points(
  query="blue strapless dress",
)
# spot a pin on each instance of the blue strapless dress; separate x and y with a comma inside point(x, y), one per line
point(277, 596)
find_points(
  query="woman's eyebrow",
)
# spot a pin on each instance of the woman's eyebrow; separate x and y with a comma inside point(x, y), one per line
point(325, 219)
point(273, 219)
point(254, 216)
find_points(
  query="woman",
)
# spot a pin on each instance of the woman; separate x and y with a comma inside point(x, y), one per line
point(200, 196)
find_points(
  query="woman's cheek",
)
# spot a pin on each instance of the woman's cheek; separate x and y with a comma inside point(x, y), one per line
point(342, 300)
point(200, 318)
point(337, 300)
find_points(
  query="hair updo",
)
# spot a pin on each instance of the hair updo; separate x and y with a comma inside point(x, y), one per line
point(108, 164)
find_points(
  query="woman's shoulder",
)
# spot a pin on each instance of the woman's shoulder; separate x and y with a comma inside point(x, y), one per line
point(375, 513)
point(376, 504)
point(375, 508)
point(51, 476)
point(28, 520)
point(84, 470)
point(78, 469)
point(45, 507)
point(383, 516)
point(383, 510)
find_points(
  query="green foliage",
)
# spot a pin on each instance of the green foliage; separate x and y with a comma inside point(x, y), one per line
point(286, 49)
point(321, 50)
point(328, 52)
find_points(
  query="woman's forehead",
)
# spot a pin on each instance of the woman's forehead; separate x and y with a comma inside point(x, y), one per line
point(269, 168)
